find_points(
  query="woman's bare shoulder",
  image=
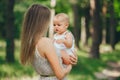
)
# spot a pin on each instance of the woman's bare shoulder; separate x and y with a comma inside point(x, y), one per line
point(44, 41)
point(43, 44)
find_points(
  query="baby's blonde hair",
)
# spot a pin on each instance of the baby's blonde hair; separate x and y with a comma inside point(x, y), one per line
point(63, 16)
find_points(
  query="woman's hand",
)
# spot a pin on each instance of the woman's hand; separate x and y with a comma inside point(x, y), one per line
point(65, 57)
point(69, 59)
point(73, 60)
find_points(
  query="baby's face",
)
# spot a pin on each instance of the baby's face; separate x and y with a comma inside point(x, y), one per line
point(60, 26)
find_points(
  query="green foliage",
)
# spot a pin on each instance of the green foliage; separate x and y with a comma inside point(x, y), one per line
point(2, 19)
point(84, 3)
point(22, 5)
point(20, 8)
point(117, 7)
point(62, 7)
point(117, 13)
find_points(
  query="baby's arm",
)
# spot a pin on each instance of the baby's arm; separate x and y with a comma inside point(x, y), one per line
point(67, 41)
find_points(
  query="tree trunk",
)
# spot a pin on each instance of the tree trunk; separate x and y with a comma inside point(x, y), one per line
point(97, 28)
point(104, 19)
point(112, 24)
point(9, 24)
point(87, 19)
point(2, 19)
point(77, 20)
point(107, 30)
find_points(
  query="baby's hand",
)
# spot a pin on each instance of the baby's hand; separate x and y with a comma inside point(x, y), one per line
point(59, 41)
point(67, 62)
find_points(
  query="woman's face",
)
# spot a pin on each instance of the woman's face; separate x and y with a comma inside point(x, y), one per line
point(59, 25)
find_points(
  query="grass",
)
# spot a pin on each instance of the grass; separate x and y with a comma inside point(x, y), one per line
point(84, 70)
point(86, 66)
point(15, 70)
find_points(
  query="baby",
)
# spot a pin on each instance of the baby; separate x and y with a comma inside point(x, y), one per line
point(63, 39)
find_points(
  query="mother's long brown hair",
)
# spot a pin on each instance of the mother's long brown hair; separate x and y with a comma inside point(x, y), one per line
point(35, 25)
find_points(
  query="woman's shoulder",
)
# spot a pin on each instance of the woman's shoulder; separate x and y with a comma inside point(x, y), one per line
point(44, 41)
point(43, 44)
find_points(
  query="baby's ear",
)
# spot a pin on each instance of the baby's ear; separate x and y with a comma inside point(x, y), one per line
point(67, 24)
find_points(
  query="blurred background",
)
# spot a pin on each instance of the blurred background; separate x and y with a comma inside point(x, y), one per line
point(96, 28)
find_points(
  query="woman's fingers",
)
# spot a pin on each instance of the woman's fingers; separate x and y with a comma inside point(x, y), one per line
point(73, 60)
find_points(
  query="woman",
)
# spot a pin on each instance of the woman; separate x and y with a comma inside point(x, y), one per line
point(38, 49)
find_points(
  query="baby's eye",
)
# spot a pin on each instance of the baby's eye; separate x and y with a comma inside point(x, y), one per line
point(59, 25)
point(54, 25)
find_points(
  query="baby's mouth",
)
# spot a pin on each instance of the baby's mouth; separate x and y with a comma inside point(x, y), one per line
point(56, 29)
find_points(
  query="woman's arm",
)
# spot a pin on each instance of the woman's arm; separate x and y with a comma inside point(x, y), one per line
point(69, 59)
point(51, 55)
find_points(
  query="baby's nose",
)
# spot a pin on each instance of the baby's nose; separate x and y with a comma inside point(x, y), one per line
point(56, 26)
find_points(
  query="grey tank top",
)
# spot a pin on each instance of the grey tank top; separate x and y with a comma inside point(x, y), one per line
point(41, 64)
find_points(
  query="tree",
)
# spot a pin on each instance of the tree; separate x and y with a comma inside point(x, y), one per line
point(2, 19)
point(76, 21)
point(87, 20)
point(97, 28)
point(112, 24)
point(9, 28)
point(77, 25)
point(104, 19)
